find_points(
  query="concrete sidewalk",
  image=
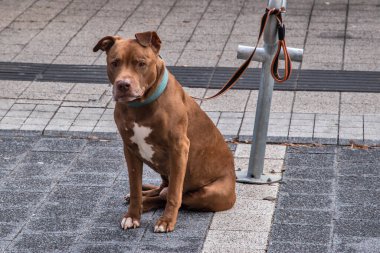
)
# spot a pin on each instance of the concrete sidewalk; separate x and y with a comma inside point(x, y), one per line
point(62, 173)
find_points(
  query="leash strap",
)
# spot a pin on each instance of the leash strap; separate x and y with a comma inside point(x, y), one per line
point(274, 67)
point(281, 44)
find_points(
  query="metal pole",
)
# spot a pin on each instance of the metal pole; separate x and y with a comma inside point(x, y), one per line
point(256, 161)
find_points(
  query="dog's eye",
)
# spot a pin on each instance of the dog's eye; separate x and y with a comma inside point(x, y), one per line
point(115, 63)
point(141, 64)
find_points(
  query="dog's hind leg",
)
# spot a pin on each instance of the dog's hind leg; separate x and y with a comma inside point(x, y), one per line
point(152, 203)
point(217, 196)
point(149, 190)
point(147, 187)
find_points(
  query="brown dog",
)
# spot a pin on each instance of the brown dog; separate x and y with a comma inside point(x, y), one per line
point(165, 128)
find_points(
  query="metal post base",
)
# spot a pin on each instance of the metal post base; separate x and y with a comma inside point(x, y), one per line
point(242, 177)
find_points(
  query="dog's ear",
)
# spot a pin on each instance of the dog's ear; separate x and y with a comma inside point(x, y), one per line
point(106, 43)
point(149, 39)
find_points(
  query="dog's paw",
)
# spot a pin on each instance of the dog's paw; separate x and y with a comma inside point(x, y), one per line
point(128, 223)
point(164, 225)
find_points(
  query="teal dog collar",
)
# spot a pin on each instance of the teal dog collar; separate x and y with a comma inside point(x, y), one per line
point(159, 90)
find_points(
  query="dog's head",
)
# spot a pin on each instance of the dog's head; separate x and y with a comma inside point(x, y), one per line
point(133, 65)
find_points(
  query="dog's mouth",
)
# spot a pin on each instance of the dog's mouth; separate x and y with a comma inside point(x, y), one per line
point(126, 98)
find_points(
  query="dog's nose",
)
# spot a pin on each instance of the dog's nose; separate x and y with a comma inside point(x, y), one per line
point(122, 85)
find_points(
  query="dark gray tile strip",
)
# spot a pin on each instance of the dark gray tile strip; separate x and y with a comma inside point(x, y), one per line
point(201, 77)
point(328, 202)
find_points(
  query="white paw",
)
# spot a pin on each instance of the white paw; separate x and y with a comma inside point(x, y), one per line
point(127, 223)
point(159, 229)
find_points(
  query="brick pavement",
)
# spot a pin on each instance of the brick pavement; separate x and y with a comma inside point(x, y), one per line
point(302, 117)
point(328, 202)
point(66, 195)
point(332, 33)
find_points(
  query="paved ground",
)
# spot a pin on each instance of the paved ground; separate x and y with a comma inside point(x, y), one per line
point(67, 195)
point(62, 187)
point(329, 201)
point(331, 32)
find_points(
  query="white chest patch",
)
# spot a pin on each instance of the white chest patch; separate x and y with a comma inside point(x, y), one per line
point(140, 133)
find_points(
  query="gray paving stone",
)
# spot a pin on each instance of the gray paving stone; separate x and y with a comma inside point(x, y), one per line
point(52, 209)
point(16, 144)
point(358, 182)
point(32, 120)
point(54, 224)
point(358, 156)
point(316, 161)
point(46, 108)
point(23, 107)
point(13, 215)
point(169, 244)
point(76, 194)
point(275, 139)
point(326, 140)
point(358, 212)
point(356, 244)
point(291, 247)
point(39, 118)
point(56, 158)
point(236, 101)
point(85, 179)
point(98, 166)
point(56, 130)
point(234, 241)
point(20, 199)
point(4, 244)
point(300, 136)
point(303, 217)
point(26, 170)
point(303, 116)
point(357, 197)
point(301, 233)
point(46, 242)
point(309, 174)
point(113, 247)
point(107, 132)
point(60, 144)
point(8, 231)
point(352, 169)
point(116, 234)
point(27, 184)
point(17, 120)
point(79, 131)
point(304, 201)
point(362, 228)
point(26, 130)
point(64, 116)
point(302, 122)
point(312, 150)
point(307, 187)
point(84, 123)
point(103, 153)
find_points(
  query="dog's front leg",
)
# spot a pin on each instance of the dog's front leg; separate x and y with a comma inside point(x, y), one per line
point(132, 217)
point(178, 161)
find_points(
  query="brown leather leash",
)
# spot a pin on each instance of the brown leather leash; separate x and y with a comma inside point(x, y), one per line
point(274, 66)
